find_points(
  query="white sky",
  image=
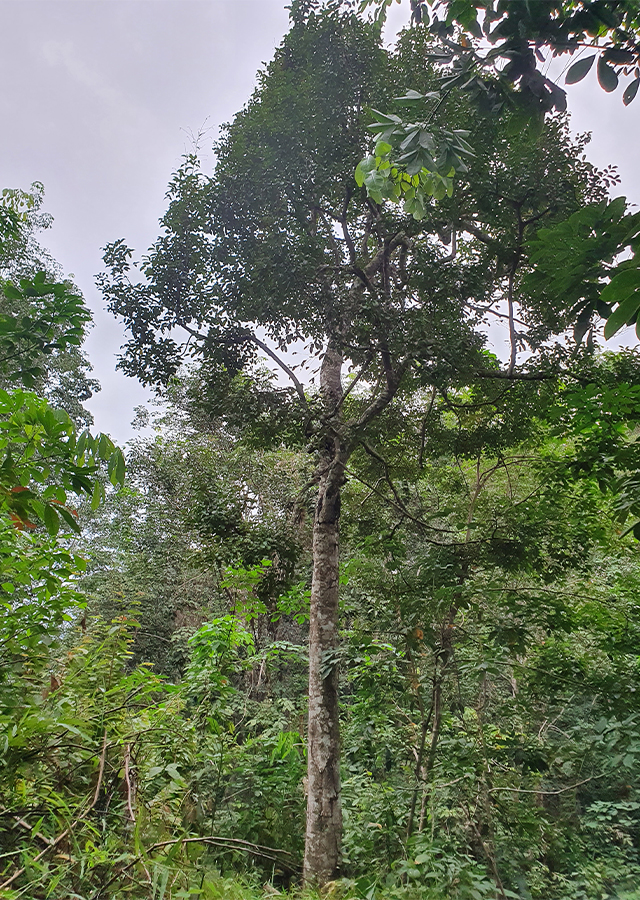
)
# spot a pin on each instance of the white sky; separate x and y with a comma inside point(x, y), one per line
point(99, 98)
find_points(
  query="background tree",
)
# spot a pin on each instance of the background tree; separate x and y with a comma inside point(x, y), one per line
point(510, 729)
point(44, 460)
point(43, 317)
point(201, 506)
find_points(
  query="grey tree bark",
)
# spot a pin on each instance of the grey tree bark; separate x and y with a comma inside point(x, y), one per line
point(324, 811)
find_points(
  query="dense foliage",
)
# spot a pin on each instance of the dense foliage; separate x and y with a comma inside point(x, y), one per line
point(490, 719)
point(156, 710)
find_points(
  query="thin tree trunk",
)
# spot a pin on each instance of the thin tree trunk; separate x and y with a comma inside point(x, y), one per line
point(424, 730)
point(324, 812)
point(441, 664)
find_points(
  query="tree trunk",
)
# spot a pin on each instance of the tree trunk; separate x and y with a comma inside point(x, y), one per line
point(324, 812)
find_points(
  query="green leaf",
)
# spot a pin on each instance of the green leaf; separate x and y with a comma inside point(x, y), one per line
point(97, 496)
point(411, 98)
point(69, 518)
point(414, 167)
point(622, 314)
point(606, 76)
point(364, 169)
point(630, 91)
point(116, 467)
point(618, 56)
point(386, 119)
point(621, 286)
point(579, 69)
point(616, 209)
point(105, 447)
point(51, 520)
point(12, 293)
point(82, 443)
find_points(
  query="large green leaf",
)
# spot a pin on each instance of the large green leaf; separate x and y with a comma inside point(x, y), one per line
point(579, 69)
point(606, 76)
point(621, 286)
point(51, 520)
point(622, 314)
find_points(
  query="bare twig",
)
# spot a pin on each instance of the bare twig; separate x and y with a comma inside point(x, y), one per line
point(564, 790)
point(402, 509)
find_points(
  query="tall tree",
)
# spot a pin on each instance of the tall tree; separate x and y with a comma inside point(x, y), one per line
point(279, 245)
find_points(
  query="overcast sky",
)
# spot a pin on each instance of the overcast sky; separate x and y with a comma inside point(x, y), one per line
point(99, 99)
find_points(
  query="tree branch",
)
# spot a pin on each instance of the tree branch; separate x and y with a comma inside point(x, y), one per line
point(423, 428)
point(345, 228)
point(454, 247)
point(353, 383)
point(513, 337)
point(571, 787)
point(383, 399)
point(402, 509)
point(477, 232)
point(518, 376)
point(285, 368)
